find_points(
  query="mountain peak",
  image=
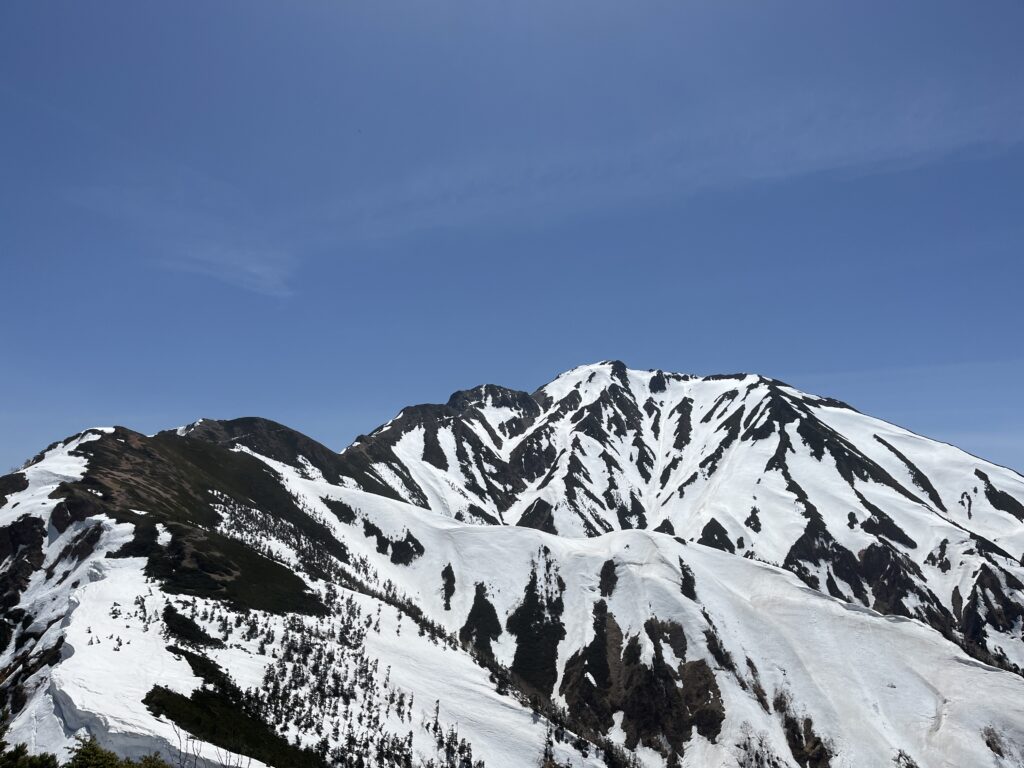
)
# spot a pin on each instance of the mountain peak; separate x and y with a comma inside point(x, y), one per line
point(491, 396)
point(509, 576)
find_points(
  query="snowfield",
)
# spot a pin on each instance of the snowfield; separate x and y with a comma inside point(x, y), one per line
point(623, 568)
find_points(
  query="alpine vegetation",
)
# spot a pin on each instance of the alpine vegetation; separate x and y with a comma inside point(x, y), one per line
point(624, 568)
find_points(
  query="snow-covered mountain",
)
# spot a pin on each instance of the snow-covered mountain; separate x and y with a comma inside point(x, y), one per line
point(622, 568)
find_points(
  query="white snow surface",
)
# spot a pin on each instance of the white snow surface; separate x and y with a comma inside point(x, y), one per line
point(876, 687)
point(678, 448)
point(106, 613)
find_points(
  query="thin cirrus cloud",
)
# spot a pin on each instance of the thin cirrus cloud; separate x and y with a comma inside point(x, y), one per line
point(268, 273)
point(211, 236)
point(540, 184)
point(206, 228)
point(721, 146)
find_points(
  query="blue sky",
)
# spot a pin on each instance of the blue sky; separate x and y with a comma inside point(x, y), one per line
point(320, 212)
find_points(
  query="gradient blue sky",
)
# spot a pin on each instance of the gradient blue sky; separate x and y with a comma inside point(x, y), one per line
point(320, 212)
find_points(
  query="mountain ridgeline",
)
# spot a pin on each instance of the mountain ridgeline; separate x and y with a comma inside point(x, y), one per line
point(623, 568)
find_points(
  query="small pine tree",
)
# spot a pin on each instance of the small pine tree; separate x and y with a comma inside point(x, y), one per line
point(89, 754)
point(149, 761)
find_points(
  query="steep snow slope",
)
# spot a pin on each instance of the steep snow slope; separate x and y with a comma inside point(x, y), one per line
point(623, 568)
point(77, 663)
point(856, 507)
point(873, 687)
point(102, 645)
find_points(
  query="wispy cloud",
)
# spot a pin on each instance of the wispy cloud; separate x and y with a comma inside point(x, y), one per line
point(204, 227)
point(195, 223)
point(265, 272)
point(197, 226)
point(721, 145)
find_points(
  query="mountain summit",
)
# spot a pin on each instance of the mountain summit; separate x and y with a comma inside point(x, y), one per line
point(621, 568)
